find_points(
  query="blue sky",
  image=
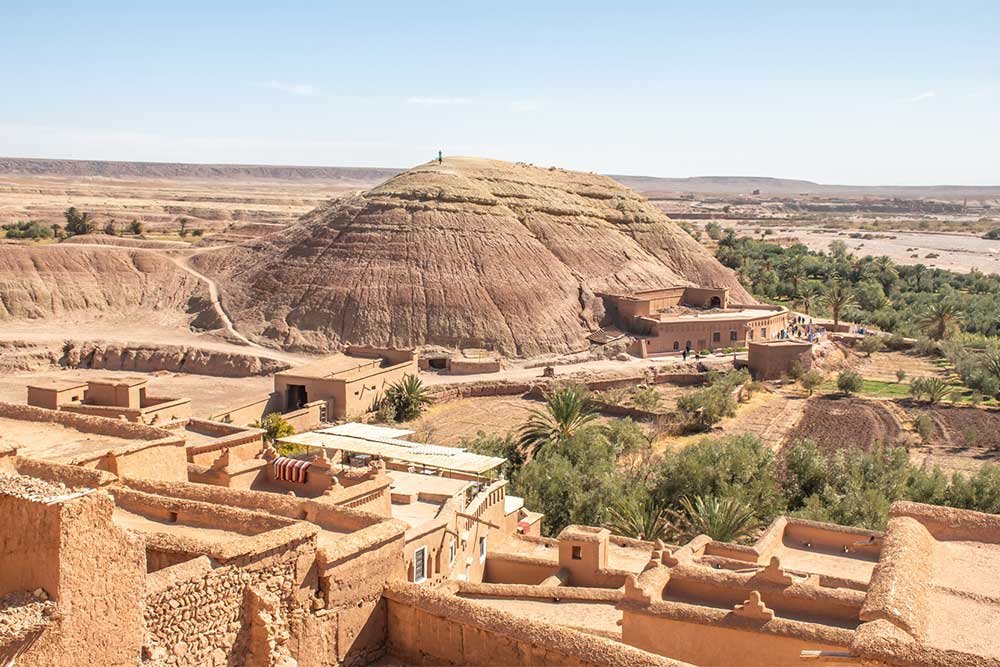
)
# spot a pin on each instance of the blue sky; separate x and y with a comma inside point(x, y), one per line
point(837, 92)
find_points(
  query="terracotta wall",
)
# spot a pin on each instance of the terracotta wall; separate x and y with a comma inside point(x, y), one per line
point(433, 628)
point(244, 415)
point(101, 572)
point(711, 646)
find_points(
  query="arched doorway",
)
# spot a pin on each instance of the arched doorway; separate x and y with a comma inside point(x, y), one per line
point(715, 302)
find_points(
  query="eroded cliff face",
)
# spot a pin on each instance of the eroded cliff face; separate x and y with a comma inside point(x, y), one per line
point(468, 253)
point(41, 282)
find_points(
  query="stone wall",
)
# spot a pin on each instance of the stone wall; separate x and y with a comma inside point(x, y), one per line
point(195, 615)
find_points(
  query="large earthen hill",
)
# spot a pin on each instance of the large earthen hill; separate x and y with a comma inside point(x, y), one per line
point(466, 253)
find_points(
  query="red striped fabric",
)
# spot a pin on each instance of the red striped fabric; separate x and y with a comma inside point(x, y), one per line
point(290, 470)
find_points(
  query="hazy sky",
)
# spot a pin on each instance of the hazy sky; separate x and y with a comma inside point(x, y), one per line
point(860, 93)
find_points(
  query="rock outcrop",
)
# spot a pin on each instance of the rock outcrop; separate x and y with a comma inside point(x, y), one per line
point(44, 281)
point(468, 253)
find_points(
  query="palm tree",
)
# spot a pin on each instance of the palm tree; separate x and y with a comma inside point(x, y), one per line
point(566, 412)
point(795, 272)
point(919, 271)
point(639, 519)
point(940, 319)
point(807, 297)
point(887, 273)
point(838, 298)
point(409, 397)
point(723, 519)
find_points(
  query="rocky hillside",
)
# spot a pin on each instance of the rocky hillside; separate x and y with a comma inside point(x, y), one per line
point(49, 281)
point(470, 252)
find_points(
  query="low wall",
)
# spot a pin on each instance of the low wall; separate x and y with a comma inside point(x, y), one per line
point(85, 423)
point(428, 627)
point(307, 417)
point(510, 568)
point(242, 443)
point(246, 414)
point(163, 412)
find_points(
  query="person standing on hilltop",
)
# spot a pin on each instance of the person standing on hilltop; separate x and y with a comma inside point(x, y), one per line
point(440, 159)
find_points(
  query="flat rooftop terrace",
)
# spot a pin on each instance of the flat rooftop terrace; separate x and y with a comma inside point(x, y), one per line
point(692, 315)
point(140, 523)
point(339, 366)
point(964, 598)
point(826, 561)
point(419, 511)
point(596, 617)
point(55, 442)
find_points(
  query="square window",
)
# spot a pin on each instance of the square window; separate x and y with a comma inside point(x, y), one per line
point(577, 553)
point(716, 336)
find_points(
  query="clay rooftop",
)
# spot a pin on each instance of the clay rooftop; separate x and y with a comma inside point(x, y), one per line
point(47, 440)
point(340, 366)
point(58, 385)
point(716, 315)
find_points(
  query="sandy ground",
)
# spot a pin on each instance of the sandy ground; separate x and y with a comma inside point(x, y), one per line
point(43, 440)
point(159, 204)
point(208, 395)
point(958, 252)
point(452, 422)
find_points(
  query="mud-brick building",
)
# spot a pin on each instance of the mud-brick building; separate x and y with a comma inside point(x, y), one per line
point(348, 383)
point(673, 319)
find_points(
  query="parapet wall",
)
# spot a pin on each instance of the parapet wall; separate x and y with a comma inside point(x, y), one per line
point(428, 627)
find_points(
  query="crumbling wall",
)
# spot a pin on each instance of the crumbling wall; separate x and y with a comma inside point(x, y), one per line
point(195, 615)
point(99, 572)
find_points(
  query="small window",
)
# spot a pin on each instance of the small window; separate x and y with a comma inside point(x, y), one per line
point(577, 553)
point(732, 335)
point(716, 336)
point(420, 565)
point(452, 550)
point(677, 345)
point(482, 549)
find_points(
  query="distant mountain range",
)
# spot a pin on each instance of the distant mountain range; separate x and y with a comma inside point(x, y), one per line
point(363, 177)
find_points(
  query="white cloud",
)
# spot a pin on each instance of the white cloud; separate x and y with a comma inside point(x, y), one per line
point(439, 101)
point(922, 96)
point(304, 89)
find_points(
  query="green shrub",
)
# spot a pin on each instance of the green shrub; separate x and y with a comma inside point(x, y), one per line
point(28, 230)
point(925, 428)
point(811, 380)
point(849, 382)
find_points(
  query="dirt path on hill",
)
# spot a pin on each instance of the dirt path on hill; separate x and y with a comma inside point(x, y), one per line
point(184, 262)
